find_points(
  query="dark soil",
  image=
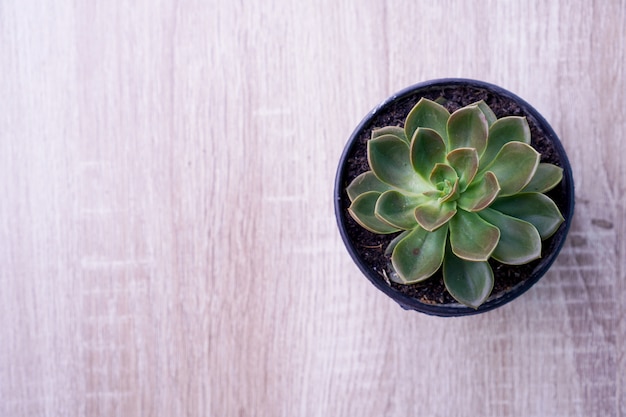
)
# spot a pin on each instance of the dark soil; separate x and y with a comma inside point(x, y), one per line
point(371, 247)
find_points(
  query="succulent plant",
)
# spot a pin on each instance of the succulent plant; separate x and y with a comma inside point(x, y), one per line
point(461, 188)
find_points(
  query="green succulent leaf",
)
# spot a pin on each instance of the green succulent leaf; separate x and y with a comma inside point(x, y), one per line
point(505, 130)
point(365, 182)
point(470, 283)
point(519, 242)
point(442, 173)
point(480, 194)
point(433, 214)
point(451, 192)
point(467, 128)
point(362, 211)
point(434, 194)
point(419, 255)
point(534, 208)
point(546, 178)
point(389, 159)
point(427, 150)
point(514, 166)
point(429, 114)
point(471, 237)
point(398, 209)
point(396, 131)
point(465, 163)
point(392, 245)
point(489, 114)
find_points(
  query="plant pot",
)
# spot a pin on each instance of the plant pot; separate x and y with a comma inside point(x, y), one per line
point(367, 249)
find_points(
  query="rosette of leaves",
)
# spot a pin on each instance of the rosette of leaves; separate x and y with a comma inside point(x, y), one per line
point(461, 188)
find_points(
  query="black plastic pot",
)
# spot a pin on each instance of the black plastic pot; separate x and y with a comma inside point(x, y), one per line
point(457, 93)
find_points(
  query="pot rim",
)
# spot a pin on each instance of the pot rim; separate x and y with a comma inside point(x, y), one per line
point(411, 303)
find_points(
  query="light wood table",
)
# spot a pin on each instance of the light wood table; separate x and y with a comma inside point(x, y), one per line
point(167, 239)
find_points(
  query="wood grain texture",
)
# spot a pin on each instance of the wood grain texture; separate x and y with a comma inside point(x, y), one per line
point(168, 239)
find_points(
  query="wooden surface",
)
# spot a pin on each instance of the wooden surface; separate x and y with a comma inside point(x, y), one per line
point(167, 239)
